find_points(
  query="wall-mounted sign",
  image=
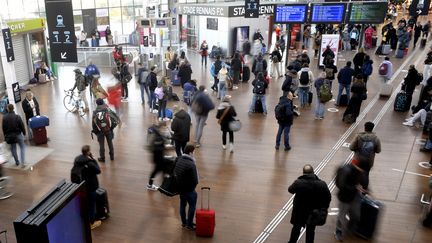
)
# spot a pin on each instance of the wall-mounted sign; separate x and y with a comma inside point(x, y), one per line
point(27, 25)
point(8, 45)
point(223, 11)
point(146, 40)
point(328, 13)
point(252, 8)
point(16, 92)
point(240, 11)
point(173, 21)
point(61, 30)
point(290, 14)
point(419, 7)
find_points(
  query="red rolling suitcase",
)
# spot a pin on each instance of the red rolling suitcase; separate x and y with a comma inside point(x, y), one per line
point(205, 218)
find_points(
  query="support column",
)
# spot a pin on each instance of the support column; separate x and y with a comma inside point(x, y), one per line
point(8, 68)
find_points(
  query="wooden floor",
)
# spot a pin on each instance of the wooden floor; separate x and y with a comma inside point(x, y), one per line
point(249, 187)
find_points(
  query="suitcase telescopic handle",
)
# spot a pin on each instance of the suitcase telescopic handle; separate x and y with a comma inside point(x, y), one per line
point(202, 195)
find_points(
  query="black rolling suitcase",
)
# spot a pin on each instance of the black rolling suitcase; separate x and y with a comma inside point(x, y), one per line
point(102, 206)
point(246, 74)
point(343, 100)
point(369, 212)
point(258, 107)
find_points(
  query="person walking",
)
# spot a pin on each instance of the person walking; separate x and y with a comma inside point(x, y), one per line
point(310, 193)
point(306, 37)
point(260, 85)
point(157, 147)
point(358, 90)
point(236, 67)
point(181, 129)
point(284, 113)
point(385, 70)
point(259, 65)
point(90, 72)
point(204, 52)
point(276, 58)
point(97, 90)
point(125, 77)
point(143, 74)
point(187, 180)
point(185, 72)
point(317, 43)
point(225, 114)
point(14, 132)
point(417, 33)
point(365, 145)
point(358, 60)
point(214, 70)
point(201, 106)
point(367, 69)
point(222, 87)
point(89, 170)
point(290, 83)
point(30, 106)
point(104, 121)
point(330, 70)
point(328, 55)
point(81, 85)
point(345, 77)
point(410, 82)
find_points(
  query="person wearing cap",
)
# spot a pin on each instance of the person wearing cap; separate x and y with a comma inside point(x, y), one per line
point(365, 145)
point(304, 87)
point(310, 193)
point(181, 127)
point(222, 76)
point(225, 114)
point(104, 121)
point(14, 132)
point(81, 85)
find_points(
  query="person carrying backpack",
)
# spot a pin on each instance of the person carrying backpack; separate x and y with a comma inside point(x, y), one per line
point(284, 113)
point(86, 169)
point(330, 69)
point(152, 83)
point(143, 73)
point(323, 90)
point(305, 77)
point(104, 121)
point(276, 59)
point(259, 65)
point(81, 85)
point(291, 82)
point(259, 90)
point(365, 145)
point(367, 68)
point(201, 106)
point(385, 70)
point(328, 54)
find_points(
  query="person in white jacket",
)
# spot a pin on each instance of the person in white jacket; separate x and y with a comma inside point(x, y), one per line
point(385, 70)
point(306, 78)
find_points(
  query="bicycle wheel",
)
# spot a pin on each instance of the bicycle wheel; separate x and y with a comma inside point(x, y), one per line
point(81, 107)
point(69, 103)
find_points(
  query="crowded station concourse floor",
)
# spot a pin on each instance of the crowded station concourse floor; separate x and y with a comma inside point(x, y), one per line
point(249, 186)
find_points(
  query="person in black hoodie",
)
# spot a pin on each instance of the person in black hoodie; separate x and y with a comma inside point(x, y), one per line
point(358, 60)
point(236, 66)
point(181, 127)
point(417, 33)
point(226, 113)
point(187, 180)
point(152, 85)
point(14, 132)
point(89, 171)
point(367, 69)
point(328, 55)
point(310, 193)
point(157, 147)
point(410, 82)
point(185, 72)
point(284, 112)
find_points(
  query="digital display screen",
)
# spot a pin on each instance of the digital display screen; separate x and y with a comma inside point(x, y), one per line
point(328, 13)
point(145, 22)
point(69, 215)
point(160, 22)
point(290, 14)
point(367, 12)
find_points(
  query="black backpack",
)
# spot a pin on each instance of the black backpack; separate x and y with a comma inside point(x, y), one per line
point(259, 68)
point(280, 112)
point(259, 87)
point(304, 78)
point(76, 174)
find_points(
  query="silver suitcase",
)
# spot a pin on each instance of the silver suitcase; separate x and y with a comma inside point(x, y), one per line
point(386, 90)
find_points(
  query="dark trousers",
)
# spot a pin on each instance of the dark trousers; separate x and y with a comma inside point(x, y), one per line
point(161, 109)
point(125, 90)
point(364, 180)
point(101, 139)
point(224, 135)
point(285, 129)
point(91, 199)
point(295, 233)
point(215, 84)
point(188, 198)
point(179, 147)
point(204, 60)
point(158, 160)
point(236, 78)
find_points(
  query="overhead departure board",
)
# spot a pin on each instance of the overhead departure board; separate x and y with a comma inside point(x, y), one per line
point(290, 14)
point(368, 13)
point(328, 13)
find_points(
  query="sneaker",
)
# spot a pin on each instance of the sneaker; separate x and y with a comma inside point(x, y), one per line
point(425, 150)
point(102, 160)
point(111, 157)
point(287, 148)
point(277, 147)
point(152, 187)
point(265, 113)
point(160, 118)
point(338, 235)
point(190, 227)
point(231, 148)
point(224, 146)
point(23, 166)
point(235, 87)
point(166, 119)
point(95, 224)
point(155, 111)
point(185, 226)
point(410, 124)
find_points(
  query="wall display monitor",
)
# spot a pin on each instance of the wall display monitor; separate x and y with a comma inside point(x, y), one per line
point(212, 23)
point(290, 13)
point(146, 23)
point(241, 35)
point(367, 12)
point(328, 13)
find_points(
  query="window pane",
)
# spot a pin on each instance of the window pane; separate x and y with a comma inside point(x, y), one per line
point(77, 17)
point(127, 3)
point(114, 3)
point(30, 6)
point(115, 20)
point(101, 3)
point(128, 20)
point(15, 9)
point(102, 17)
point(76, 4)
point(87, 4)
point(41, 5)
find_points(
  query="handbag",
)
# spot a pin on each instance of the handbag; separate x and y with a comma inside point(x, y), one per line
point(317, 217)
point(235, 125)
point(169, 185)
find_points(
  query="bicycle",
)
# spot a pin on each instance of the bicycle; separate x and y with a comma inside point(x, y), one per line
point(73, 103)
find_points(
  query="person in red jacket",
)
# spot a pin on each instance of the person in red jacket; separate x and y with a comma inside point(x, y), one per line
point(114, 94)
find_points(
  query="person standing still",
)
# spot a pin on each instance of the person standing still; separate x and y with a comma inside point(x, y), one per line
point(345, 77)
point(284, 113)
point(310, 193)
point(143, 73)
point(187, 180)
point(81, 85)
point(181, 127)
point(204, 53)
point(427, 67)
point(152, 85)
point(30, 107)
point(14, 132)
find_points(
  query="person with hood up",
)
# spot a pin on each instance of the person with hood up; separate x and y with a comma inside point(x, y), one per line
point(346, 39)
point(225, 114)
point(181, 127)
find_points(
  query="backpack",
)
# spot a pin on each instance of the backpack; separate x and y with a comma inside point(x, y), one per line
point(259, 87)
point(329, 72)
point(143, 77)
point(383, 69)
point(304, 78)
point(286, 86)
point(367, 69)
point(76, 174)
point(275, 59)
point(159, 93)
point(259, 66)
point(367, 149)
point(325, 93)
point(103, 121)
point(81, 82)
point(280, 112)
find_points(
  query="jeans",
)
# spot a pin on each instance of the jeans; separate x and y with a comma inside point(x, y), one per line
point(303, 93)
point(200, 122)
point(91, 197)
point(285, 129)
point(125, 90)
point(152, 103)
point(231, 137)
point(256, 97)
point(144, 89)
point(426, 73)
point(101, 139)
point(83, 96)
point(162, 108)
point(295, 233)
point(320, 109)
point(353, 210)
point(341, 88)
point(204, 60)
point(306, 43)
point(188, 198)
point(221, 90)
point(346, 45)
point(179, 147)
point(22, 150)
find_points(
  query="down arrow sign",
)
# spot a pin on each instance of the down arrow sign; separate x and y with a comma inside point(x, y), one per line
point(63, 55)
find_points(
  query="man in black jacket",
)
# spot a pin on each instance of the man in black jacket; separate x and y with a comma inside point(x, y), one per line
point(284, 113)
point(152, 85)
point(310, 193)
point(181, 127)
point(201, 106)
point(187, 180)
point(185, 72)
point(89, 171)
point(14, 132)
point(345, 77)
